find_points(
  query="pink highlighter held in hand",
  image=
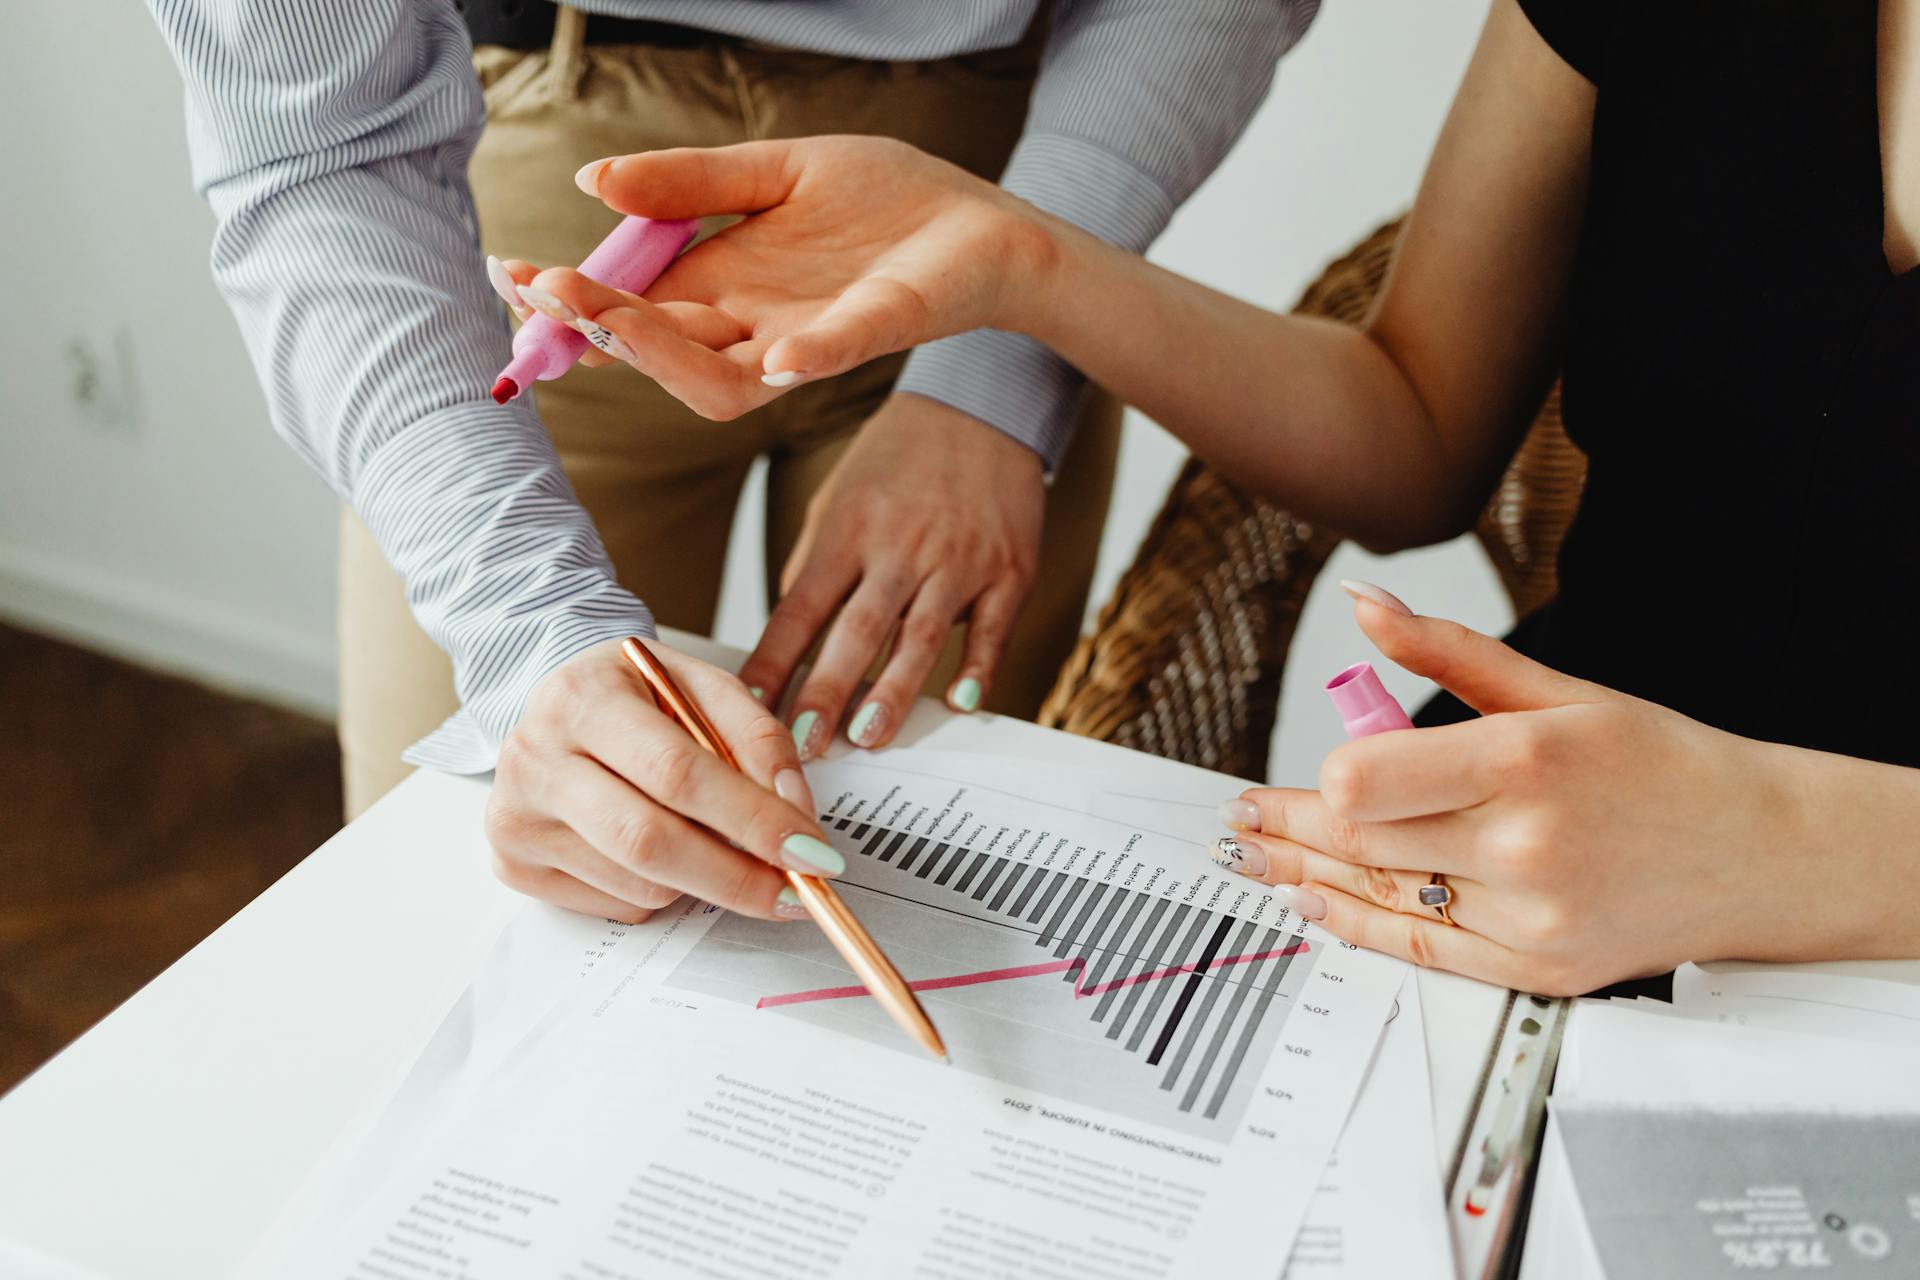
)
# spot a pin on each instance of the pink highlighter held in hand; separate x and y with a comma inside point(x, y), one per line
point(631, 257)
point(1364, 704)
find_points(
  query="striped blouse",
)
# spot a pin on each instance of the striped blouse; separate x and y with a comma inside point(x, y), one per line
point(331, 139)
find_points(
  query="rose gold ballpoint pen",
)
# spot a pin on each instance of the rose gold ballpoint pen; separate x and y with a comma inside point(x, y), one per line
point(855, 945)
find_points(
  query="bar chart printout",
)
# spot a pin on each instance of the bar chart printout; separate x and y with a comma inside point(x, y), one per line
point(1151, 1063)
point(1055, 953)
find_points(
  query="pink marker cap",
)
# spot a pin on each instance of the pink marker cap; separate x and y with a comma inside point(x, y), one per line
point(1364, 704)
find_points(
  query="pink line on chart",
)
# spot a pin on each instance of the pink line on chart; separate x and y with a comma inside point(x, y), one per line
point(1077, 966)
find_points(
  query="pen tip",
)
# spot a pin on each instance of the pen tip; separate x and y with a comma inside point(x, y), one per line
point(505, 390)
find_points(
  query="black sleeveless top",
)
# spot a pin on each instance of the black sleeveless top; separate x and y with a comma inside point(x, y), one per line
point(1742, 368)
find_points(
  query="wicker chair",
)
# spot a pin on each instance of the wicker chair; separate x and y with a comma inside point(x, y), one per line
point(1186, 659)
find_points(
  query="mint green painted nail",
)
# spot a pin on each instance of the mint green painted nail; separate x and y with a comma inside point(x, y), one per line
point(757, 692)
point(788, 904)
point(866, 720)
point(966, 694)
point(804, 726)
point(807, 853)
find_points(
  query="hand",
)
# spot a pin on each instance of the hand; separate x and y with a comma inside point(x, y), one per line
point(1588, 836)
point(603, 805)
point(929, 517)
point(856, 247)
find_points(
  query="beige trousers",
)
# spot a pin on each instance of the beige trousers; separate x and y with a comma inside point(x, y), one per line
point(662, 483)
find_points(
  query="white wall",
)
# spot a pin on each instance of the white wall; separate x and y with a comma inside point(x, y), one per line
point(158, 516)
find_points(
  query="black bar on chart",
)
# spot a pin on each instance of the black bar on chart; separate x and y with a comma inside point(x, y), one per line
point(886, 855)
point(933, 860)
point(1188, 962)
point(1187, 989)
point(1163, 951)
point(906, 859)
point(979, 861)
point(1211, 984)
point(1073, 933)
point(986, 881)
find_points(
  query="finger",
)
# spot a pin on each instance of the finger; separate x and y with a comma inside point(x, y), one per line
point(507, 278)
point(922, 635)
point(1430, 944)
point(632, 839)
point(1411, 844)
point(989, 629)
point(1275, 861)
point(582, 297)
point(694, 182)
point(1477, 669)
point(758, 740)
point(1416, 771)
point(549, 884)
point(854, 640)
point(558, 845)
point(871, 318)
point(797, 620)
point(636, 742)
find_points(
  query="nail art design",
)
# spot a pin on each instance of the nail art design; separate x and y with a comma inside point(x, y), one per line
point(788, 906)
point(786, 379)
point(806, 734)
point(1303, 902)
point(867, 725)
point(966, 694)
point(1379, 595)
point(1235, 855)
point(1240, 815)
point(812, 855)
point(607, 340)
point(547, 305)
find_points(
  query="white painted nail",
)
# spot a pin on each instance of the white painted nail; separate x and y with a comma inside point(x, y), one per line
point(547, 305)
point(1379, 595)
point(502, 283)
point(587, 177)
point(786, 379)
point(607, 340)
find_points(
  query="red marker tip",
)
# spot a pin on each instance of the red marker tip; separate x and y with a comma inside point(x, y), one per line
point(505, 390)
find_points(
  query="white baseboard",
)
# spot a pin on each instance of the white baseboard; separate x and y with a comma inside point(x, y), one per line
point(167, 631)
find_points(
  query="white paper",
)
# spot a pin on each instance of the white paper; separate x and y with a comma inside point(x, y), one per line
point(1384, 1170)
point(1148, 1058)
point(1789, 1000)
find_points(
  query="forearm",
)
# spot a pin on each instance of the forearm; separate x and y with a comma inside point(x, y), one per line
point(1315, 415)
point(345, 247)
point(1847, 841)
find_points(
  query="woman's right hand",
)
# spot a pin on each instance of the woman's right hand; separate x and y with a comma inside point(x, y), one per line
point(854, 247)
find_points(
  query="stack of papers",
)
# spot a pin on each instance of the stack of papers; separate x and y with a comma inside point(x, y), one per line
point(1766, 1120)
point(1155, 1071)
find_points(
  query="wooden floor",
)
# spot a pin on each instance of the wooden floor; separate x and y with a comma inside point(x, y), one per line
point(137, 812)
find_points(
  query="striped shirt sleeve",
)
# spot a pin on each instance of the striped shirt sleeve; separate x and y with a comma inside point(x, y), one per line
point(331, 140)
point(1136, 103)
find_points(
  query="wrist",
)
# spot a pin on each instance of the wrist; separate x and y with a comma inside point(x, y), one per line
point(1042, 257)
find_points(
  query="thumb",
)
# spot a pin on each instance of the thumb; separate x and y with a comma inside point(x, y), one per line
point(693, 182)
point(871, 318)
point(1477, 669)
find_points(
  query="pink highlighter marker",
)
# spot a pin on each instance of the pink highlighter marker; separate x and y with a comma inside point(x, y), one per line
point(1364, 704)
point(631, 257)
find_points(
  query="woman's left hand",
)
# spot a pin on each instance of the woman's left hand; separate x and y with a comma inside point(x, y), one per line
point(1588, 836)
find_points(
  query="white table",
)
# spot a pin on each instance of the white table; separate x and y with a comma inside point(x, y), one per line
point(163, 1142)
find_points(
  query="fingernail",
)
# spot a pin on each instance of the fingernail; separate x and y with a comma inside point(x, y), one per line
point(1238, 855)
point(608, 341)
point(786, 379)
point(1302, 901)
point(788, 906)
point(812, 855)
point(759, 694)
point(867, 725)
point(965, 694)
point(502, 282)
point(790, 785)
point(806, 734)
point(1379, 595)
point(587, 177)
point(547, 305)
point(1240, 815)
